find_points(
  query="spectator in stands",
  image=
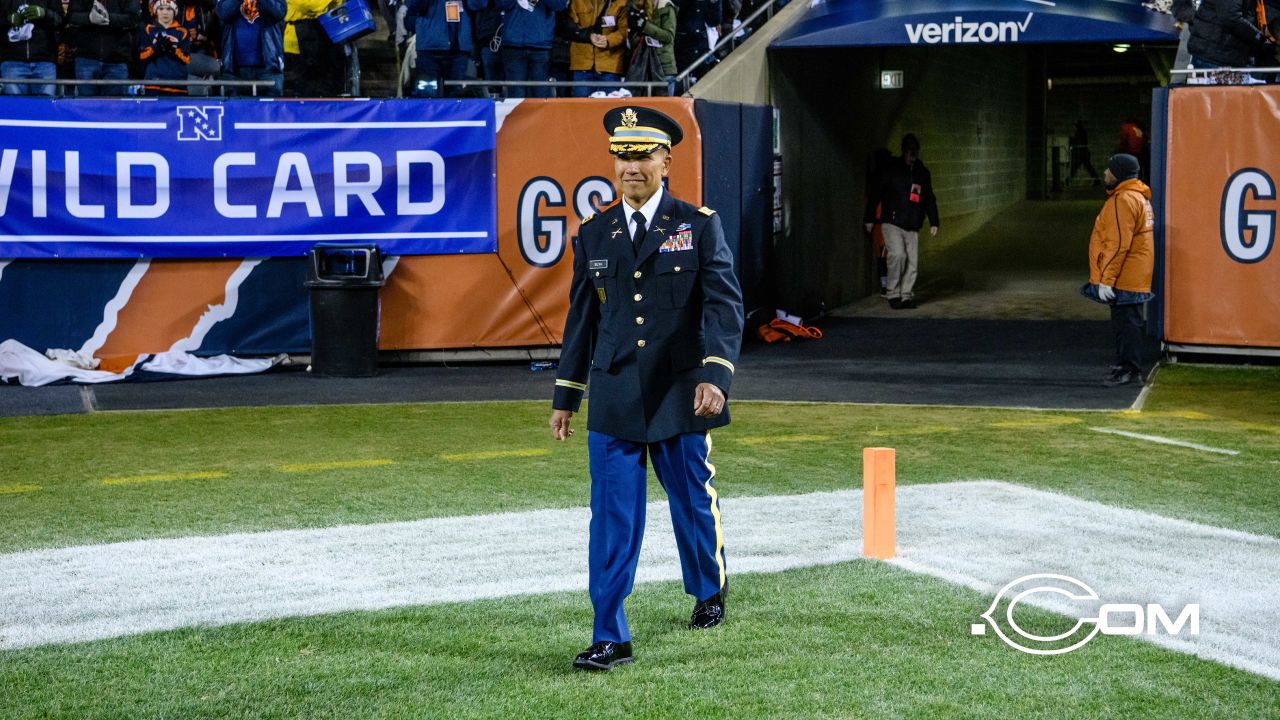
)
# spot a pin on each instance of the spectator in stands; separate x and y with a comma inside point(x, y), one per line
point(655, 23)
point(905, 197)
point(30, 45)
point(527, 29)
point(165, 48)
point(1224, 35)
point(202, 31)
point(692, 19)
point(488, 24)
point(599, 32)
point(102, 36)
point(313, 64)
point(443, 45)
point(1121, 260)
point(253, 43)
point(1184, 12)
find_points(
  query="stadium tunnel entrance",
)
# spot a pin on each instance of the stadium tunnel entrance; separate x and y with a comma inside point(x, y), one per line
point(996, 121)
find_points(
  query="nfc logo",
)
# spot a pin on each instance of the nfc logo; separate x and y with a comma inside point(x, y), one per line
point(200, 123)
point(1247, 235)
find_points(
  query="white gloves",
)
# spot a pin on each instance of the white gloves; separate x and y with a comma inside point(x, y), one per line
point(98, 14)
point(1106, 293)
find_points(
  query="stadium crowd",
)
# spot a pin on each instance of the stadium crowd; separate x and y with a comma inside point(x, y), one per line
point(285, 43)
point(1223, 39)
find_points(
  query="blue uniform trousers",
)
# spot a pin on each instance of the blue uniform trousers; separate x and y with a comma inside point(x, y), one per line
point(618, 469)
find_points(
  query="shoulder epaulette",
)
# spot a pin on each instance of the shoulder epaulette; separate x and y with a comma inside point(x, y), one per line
point(587, 219)
point(706, 211)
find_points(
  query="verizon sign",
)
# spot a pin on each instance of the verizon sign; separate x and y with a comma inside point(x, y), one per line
point(960, 32)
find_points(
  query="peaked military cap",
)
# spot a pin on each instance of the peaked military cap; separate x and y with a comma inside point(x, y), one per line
point(637, 129)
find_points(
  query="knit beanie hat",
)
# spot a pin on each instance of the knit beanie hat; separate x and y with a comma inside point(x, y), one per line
point(1123, 166)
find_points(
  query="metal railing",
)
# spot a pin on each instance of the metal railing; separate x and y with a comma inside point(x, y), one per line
point(647, 86)
point(1227, 76)
point(683, 79)
point(60, 83)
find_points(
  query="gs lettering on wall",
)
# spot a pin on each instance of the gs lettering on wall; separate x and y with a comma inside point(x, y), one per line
point(1248, 234)
point(542, 235)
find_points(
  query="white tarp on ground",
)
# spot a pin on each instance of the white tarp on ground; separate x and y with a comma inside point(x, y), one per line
point(33, 369)
point(981, 534)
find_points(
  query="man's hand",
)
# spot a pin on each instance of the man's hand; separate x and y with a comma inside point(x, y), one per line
point(599, 40)
point(933, 231)
point(708, 400)
point(1106, 293)
point(560, 420)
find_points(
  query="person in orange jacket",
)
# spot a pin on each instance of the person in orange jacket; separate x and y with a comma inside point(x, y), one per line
point(1121, 261)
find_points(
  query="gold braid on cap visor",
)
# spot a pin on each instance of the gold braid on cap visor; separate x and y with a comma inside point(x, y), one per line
point(638, 139)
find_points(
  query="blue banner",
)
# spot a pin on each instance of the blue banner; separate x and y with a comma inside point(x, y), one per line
point(200, 177)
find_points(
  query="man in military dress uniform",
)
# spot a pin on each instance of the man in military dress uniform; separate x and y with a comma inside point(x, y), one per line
point(654, 327)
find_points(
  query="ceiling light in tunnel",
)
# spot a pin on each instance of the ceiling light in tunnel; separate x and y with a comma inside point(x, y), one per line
point(1120, 47)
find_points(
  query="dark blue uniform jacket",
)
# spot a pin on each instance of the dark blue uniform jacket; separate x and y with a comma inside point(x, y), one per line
point(644, 328)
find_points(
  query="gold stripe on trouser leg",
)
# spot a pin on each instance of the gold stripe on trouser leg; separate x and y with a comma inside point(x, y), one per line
point(715, 511)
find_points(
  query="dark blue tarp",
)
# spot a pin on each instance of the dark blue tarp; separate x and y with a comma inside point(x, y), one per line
point(855, 23)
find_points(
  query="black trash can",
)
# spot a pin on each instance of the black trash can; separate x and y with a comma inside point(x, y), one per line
point(344, 281)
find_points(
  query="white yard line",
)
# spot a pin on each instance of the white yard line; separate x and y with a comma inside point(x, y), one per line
point(1165, 441)
point(979, 534)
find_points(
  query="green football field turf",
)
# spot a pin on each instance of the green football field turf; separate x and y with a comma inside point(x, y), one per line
point(858, 639)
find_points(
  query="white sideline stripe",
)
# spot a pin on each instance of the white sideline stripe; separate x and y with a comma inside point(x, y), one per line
point(1165, 441)
point(83, 125)
point(390, 125)
point(980, 534)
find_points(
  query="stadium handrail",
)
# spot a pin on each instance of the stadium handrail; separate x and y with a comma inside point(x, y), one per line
point(61, 82)
point(682, 79)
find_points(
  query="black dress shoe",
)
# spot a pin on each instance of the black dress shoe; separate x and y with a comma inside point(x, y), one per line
point(909, 304)
point(1122, 377)
point(895, 303)
point(708, 613)
point(604, 656)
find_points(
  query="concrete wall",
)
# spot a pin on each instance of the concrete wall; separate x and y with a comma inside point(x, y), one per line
point(967, 105)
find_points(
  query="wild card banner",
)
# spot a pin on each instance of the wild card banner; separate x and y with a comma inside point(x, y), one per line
point(203, 178)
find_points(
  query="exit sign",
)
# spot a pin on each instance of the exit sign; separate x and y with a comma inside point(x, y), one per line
point(891, 80)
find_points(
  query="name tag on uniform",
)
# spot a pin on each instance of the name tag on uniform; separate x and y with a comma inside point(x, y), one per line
point(608, 21)
point(453, 11)
point(598, 264)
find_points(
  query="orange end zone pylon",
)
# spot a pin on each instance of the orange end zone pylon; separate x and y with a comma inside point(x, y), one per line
point(878, 506)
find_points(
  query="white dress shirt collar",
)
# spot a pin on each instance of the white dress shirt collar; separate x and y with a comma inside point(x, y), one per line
point(648, 210)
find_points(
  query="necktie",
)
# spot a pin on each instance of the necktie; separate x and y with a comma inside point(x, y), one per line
point(637, 217)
